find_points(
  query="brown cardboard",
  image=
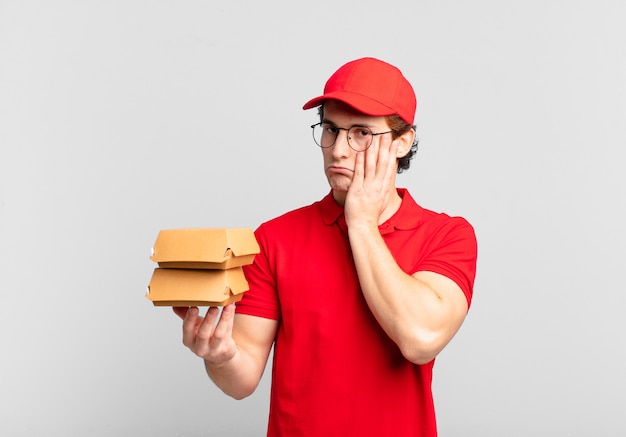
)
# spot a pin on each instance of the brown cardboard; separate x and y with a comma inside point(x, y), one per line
point(186, 287)
point(205, 248)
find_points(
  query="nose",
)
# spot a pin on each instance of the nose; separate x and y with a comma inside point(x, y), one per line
point(341, 148)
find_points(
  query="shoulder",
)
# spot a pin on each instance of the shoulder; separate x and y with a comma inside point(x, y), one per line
point(298, 215)
point(414, 215)
point(446, 221)
point(285, 225)
point(435, 233)
point(449, 231)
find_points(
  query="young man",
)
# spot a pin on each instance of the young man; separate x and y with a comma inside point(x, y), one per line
point(358, 292)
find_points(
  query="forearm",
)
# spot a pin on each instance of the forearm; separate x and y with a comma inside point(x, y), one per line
point(414, 315)
point(237, 377)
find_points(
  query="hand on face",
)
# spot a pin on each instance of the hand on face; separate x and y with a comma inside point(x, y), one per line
point(373, 183)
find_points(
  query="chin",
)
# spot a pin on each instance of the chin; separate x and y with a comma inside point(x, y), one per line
point(339, 185)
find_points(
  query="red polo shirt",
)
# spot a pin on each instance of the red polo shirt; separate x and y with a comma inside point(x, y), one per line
point(335, 371)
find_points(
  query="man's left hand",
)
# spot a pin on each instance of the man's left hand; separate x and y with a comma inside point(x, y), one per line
point(371, 187)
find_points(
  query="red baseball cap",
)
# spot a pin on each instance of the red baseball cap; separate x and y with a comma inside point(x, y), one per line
point(372, 87)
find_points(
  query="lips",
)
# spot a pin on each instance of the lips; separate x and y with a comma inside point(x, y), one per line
point(339, 170)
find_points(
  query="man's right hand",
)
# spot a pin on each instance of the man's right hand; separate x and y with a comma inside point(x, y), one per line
point(208, 337)
point(235, 354)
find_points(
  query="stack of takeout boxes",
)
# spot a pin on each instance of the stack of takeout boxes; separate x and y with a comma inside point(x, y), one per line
point(201, 266)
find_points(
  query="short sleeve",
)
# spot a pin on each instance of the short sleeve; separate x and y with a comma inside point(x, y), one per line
point(261, 299)
point(452, 252)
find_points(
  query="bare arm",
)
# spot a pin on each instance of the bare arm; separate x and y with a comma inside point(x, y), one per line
point(235, 350)
point(422, 312)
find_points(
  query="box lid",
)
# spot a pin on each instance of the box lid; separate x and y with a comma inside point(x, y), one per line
point(214, 246)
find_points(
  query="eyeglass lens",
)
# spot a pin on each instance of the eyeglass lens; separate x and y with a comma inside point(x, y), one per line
point(359, 138)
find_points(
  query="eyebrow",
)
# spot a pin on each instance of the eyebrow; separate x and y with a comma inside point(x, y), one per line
point(325, 120)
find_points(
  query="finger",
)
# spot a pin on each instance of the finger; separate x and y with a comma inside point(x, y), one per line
point(371, 160)
point(224, 328)
point(216, 343)
point(180, 311)
point(206, 328)
point(391, 153)
point(382, 156)
point(386, 160)
point(189, 326)
point(359, 169)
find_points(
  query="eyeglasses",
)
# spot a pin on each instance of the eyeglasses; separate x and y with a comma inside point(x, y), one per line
point(359, 137)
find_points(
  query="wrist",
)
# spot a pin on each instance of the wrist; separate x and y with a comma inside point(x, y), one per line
point(362, 228)
point(221, 361)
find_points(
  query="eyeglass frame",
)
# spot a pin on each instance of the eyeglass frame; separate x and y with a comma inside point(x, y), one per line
point(348, 136)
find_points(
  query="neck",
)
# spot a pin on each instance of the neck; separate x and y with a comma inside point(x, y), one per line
point(391, 208)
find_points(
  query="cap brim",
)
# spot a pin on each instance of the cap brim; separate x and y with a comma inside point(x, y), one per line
point(361, 103)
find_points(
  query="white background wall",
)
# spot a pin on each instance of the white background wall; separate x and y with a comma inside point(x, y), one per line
point(121, 118)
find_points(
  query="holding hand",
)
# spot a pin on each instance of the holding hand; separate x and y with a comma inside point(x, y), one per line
point(209, 340)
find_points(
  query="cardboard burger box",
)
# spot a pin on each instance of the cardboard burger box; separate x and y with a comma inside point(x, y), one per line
point(185, 287)
point(201, 266)
point(205, 248)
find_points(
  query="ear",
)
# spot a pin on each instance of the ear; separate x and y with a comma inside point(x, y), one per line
point(405, 141)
